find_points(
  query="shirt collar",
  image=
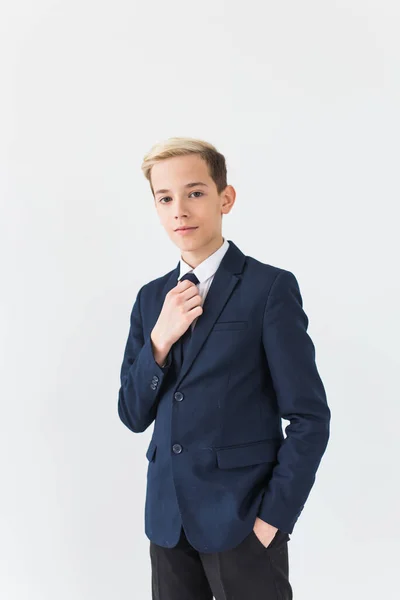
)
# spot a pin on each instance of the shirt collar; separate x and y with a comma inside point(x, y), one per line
point(208, 267)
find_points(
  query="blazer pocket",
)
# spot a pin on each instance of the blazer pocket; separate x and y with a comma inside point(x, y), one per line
point(224, 325)
point(245, 455)
point(151, 450)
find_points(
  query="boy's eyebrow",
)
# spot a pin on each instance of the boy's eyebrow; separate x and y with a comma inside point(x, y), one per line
point(188, 185)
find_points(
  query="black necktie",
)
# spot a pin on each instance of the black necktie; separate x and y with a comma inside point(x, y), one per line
point(185, 339)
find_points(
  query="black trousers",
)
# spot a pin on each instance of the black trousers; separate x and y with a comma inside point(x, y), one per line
point(250, 571)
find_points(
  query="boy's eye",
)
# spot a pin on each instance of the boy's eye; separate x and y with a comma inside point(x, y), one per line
point(169, 197)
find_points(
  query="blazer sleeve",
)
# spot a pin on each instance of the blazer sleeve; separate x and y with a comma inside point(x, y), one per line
point(141, 376)
point(301, 399)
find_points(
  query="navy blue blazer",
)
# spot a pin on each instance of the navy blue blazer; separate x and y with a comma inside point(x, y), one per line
point(217, 458)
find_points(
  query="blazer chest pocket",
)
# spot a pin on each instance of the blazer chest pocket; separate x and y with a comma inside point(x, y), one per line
point(229, 325)
point(151, 451)
point(243, 455)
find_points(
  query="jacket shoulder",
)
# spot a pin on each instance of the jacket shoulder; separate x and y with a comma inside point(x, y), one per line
point(157, 284)
point(263, 269)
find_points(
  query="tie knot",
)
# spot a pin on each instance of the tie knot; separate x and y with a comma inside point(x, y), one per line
point(191, 276)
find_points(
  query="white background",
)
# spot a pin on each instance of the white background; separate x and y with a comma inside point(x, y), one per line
point(303, 100)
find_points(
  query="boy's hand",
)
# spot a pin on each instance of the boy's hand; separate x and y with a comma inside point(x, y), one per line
point(182, 305)
point(264, 531)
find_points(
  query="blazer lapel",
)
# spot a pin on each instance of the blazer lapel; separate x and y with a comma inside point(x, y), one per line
point(225, 280)
point(172, 281)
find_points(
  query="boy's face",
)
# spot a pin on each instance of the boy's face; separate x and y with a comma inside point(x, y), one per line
point(198, 206)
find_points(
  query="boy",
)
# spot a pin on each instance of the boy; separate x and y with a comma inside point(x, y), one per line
point(217, 354)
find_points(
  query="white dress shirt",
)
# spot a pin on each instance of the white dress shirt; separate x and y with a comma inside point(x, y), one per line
point(204, 272)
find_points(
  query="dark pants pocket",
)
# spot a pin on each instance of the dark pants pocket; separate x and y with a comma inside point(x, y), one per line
point(279, 538)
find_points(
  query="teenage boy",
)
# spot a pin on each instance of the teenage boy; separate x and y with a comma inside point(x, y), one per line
point(217, 354)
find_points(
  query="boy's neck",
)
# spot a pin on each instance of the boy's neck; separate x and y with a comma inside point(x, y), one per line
point(193, 259)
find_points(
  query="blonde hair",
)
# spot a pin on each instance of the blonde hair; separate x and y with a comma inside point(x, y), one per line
point(181, 146)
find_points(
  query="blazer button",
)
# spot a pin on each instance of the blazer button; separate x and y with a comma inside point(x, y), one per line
point(155, 379)
point(177, 448)
point(178, 396)
point(153, 386)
